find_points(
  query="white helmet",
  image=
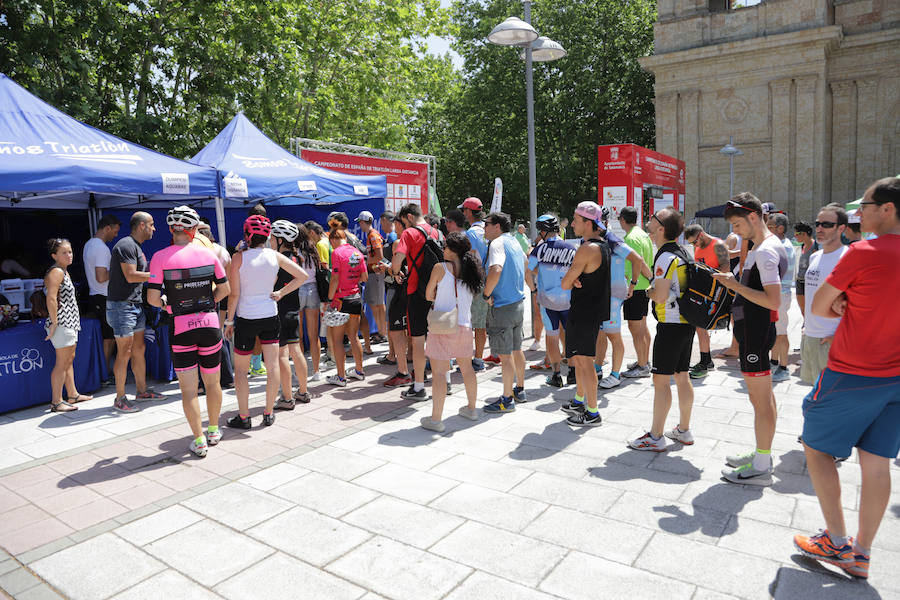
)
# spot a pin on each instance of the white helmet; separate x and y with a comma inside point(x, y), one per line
point(182, 217)
point(285, 230)
point(335, 318)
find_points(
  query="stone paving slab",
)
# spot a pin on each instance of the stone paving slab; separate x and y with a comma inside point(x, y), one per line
point(348, 497)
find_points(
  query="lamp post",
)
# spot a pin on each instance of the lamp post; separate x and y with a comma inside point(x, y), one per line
point(516, 32)
point(731, 151)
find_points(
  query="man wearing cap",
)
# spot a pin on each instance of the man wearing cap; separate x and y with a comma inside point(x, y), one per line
point(777, 222)
point(374, 291)
point(473, 212)
point(853, 233)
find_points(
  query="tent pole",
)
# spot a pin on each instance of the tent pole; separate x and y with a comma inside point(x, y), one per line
point(220, 220)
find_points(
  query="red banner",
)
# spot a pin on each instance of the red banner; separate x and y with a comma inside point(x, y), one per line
point(407, 181)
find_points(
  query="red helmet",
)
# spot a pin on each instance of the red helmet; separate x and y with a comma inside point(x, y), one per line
point(257, 225)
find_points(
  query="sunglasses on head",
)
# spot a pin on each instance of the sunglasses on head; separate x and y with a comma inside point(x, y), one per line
point(825, 224)
point(739, 205)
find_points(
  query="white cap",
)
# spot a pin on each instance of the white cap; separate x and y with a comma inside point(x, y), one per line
point(365, 216)
point(853, 217)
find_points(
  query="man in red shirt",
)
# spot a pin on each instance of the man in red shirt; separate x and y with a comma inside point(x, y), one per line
point(410, 246)
point(856, 400)
point(712, 252)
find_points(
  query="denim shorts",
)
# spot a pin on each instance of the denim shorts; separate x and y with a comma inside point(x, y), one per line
point(844, 411)
point(309, 297)
point(125, 318)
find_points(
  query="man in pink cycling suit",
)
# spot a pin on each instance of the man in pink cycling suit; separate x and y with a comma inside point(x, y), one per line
point(188, 281)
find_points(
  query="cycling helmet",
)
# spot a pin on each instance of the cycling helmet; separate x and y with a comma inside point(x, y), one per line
point(285, 230)
point(335, 318)
point(547, 223)
point(182, 217)
point(605, 213)
point(257, 225)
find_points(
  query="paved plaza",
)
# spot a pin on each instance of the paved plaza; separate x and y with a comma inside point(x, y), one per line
point(348, 498)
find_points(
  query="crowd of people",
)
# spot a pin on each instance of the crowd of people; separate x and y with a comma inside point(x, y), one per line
point(442, 289)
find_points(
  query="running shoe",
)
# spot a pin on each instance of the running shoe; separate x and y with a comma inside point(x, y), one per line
point(123, 405)
point(239, 422)
point(469, 413)
point(213, 437)
point(503, 405)
point(572, 407)
point(477, 365)
point(199, 448)
point(427, 423)
point(519, 394)
point(384, 360)
point(701, 370)
point(632, 365)
point(585, 419)
point(149, 394)
point(820, 547)
point(739, 460)
point(398, 379)
point(747, 475)
point(336, 380)
point(315, 377)
point(540, 366)
point(570, 377)
point(301, 397)
point(781, 374)
point(859, 567)
point(377, 338)
point(648, 443)
point(284, 404)
point(419, 396)
point(555, 380)
point(535, 346)
point(609, 382)
point(493, 358)
point(685, 437)
point(268, 419)
point(354, 374)
point(637, 371)
point(259, 371)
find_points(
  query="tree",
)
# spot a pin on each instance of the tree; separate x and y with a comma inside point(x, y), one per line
point(597, 95)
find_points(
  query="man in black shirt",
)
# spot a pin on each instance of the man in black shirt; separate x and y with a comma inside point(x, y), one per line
point(125, 313)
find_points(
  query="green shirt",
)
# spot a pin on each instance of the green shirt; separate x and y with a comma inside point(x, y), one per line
point(523, 241)
point(640, 242)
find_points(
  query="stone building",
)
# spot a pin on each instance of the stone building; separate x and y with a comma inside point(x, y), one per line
point(810, 90)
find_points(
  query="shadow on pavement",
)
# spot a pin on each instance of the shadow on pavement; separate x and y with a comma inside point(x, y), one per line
point(667, 469)
point(813, 580)
point(707, 520)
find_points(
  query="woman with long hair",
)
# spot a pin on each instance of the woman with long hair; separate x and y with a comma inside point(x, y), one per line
point(284, 237)
point(348, 269)
point(308, 256)
point(253, 313)
point(452, 285)
point(62, 326)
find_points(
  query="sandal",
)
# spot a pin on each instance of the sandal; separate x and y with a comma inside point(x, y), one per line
point(80, 398)
point(62, 406)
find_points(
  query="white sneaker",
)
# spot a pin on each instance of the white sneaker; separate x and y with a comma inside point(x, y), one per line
point(354, 374)
point(467, 413)
point(427, 423)
point(637, 371)
point(685, 437)
point(535, 346)
point(336, 380)
point(646, 442)
point(315, 377)
point(610, 382)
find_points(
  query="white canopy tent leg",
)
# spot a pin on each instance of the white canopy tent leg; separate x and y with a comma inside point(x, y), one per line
point(220, 220)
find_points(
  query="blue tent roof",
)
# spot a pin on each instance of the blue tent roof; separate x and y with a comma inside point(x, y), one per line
point(251, 166)
point(50, 160)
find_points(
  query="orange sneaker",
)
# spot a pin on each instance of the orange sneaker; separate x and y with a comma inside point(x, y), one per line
point(859, 567)
point(820, 547)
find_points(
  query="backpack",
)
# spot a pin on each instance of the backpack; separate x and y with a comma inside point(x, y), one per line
point(431, 254)
point(704, 302)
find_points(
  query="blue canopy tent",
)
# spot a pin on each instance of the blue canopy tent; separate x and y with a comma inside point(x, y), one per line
point(48, 160)
point(252, 168)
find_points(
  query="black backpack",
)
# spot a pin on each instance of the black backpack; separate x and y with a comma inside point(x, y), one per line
point(704, 302)
point(431, 253)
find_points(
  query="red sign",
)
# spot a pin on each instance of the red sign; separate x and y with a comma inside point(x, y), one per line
point(407, 181)
point(624, 171)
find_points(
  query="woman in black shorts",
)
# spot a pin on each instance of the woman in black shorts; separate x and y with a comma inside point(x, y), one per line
point(348, 269)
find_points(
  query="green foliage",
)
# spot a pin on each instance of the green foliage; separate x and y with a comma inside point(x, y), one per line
point(597, 95)
point(171, 73)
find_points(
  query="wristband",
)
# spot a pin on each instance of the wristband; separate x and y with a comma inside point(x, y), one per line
point(633, 282)
point(485, 297)
point(229, 323)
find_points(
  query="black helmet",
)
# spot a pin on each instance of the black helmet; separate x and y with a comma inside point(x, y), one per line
point(547, 223)
point(605, 214)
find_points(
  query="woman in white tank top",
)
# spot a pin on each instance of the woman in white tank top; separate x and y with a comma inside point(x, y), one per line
point(453, 283)
point(253, 314)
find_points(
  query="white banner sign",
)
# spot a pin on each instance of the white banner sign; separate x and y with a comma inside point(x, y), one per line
point(361, 190)
point(236, 187)
point(175, 183)
point(615, 198)
point(306, 186)
point(497, 200)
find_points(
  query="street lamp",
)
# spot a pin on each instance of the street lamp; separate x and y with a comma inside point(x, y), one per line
point(731, 151)
point(516, 32)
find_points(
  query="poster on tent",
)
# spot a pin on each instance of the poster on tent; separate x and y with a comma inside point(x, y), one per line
point(407, 181)
point(615, 198)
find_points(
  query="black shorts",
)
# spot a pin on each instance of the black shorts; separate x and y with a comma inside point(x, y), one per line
point(755, 341)
point(397, 310)
point(672, 348)
point(635, 308)
point(417, 309)
point(268, 330)
point(98, 304)
point(202, 346)
point(289, 328)
point(352, 305)
point(800, 288)
point(581, 336)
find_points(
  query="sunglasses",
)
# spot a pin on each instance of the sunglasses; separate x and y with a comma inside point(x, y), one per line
point(739, 205)
point(825, 224)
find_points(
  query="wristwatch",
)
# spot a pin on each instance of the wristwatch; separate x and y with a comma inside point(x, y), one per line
point(485, 297)
point(634, 282)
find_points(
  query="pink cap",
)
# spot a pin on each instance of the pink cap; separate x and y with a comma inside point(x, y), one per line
point(471, 202)
point(590, 211)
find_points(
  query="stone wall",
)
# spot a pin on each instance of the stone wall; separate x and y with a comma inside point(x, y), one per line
point(813, 103)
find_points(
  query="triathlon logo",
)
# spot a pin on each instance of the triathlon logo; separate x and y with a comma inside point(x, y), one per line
point(25, 361)
point(752, 358)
